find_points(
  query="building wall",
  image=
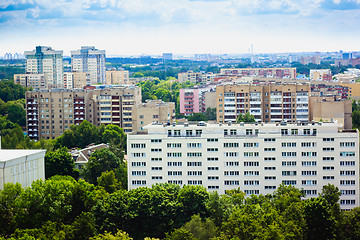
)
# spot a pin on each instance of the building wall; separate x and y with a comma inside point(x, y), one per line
point(21, 166)
point(35, 81)
point(45, 60)
point(354, 89)
point(152, 111)
point(51, 112)
point(261, 72)
point(256, 158)
point(81, 79)
point(117, 77)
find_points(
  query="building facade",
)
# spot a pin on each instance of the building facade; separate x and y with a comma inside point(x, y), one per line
point(152, 111)
point(268, 103)
point(21, 166)
point(255, 157)
point(320, 74)
point(261, 72)
point(45, 60)
point(192, 100)
point(90, 60)
point(117, 77)
point(35, 81)
point(51, 112)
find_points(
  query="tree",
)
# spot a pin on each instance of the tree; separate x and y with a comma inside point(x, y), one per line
point(60, 162)
point(196, 117)
point(356, 119)
point(108, 181)
point(247, 118)
point(210, 113)
point(100, 161)
point(16, 112)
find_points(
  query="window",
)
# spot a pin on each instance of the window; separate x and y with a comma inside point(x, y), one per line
point(328, 158)
point(289, 173)
point(269, 149)
point(294, 131)
point(347, 182)
point(213, 159)
point(173, 145)
point(328, 168)
point(347, 154)
point(270, 178)
point(251, 164)
point(138, 182)
point(231, 173)
point(212, 140)
point(231, 182)
point(347, 163)
point(328, 149)
point(347, 173)
point(212, 149)
point(138, 164)
point(328, 177)
point(138, 145)
point(308, 144)
point(194, 182)
point(347, 202)
point(289, 182)
point(308, 163)
point(194, 145)
point(306, 131)
point(194, 164)
point(231, 164)
point(251, 154)
point(213, 187)
point(213, 178)
point(289, 144)
point(174, 173)
point(347, 144)
point(156, 168)
point(246, 145)
point(156, 159)
point(231, 145)
point(156, 140)
point(269, 158)
point(347, 192)
point(249, 192)
point(156, 150)
point(310, 192)
point(269, 139)
point(328, 139)
point(288, 163)
point(309, 182)
point(251, 182)
point(270, 187)
point(288, 154)
point(269, 168)
point(137, 155)
point(308, 154)
point(194, 154)
point(308, 173)
point(194, 173)
point(138, 173)
point(174, 154)
point(251, 173)
point(175, 181)
point(174, 164)
point(156, 177)
point(213, 168)
point(231, 154)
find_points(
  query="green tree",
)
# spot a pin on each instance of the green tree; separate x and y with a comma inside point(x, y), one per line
point(16, 112)
point(108, 181)
point(60, 162)
point(356, 119)
point(196, 117)
point(210, 113)
point(100, 161)
point(180, 234)
point(247, 118)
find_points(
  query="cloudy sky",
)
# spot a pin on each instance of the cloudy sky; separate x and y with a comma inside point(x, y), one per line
point(132, 27)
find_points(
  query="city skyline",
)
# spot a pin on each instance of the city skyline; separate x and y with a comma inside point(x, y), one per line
point(180, 26)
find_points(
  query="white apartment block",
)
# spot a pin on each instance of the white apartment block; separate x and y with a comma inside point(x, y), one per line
point(91, 60)
point(45, 60)
point(255, 157)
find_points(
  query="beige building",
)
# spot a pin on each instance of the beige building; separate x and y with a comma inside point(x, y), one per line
point(68, 80)
point(190, 76)
point(81, 79)
point(21, 166)
point(117, 77)
point(261, 72)
point(268, 103)
point(328, 110)
point(51, 112)
point(209, 99)
point(153, 111)
point(35, 81)
point(320, 74)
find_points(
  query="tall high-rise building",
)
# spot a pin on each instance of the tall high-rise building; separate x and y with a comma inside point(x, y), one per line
point(47, 61)
point(51, 112)
point(91, 60)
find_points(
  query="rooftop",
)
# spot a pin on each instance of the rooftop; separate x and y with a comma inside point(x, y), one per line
point(8, 154)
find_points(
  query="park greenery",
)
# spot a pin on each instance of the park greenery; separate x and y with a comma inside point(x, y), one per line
point(64, 208)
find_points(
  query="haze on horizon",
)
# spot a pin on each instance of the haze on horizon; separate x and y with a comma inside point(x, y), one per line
point(134, 27)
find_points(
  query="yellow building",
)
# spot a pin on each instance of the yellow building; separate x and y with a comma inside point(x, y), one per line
point(117, 77)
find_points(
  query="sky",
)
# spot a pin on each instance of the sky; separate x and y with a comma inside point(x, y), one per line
point(151, 27)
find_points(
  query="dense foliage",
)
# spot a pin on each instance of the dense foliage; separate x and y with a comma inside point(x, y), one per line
point(63, 208)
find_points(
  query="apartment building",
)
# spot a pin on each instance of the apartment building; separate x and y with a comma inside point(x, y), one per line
point(192, 100)
point(68, 80)
point(51, 112)
point(190, 76)
point(261, 72)
point(90, 60)
point(152, 111)
point(255, 157)
point(117, 77)
point(320, 74)
point(45, 60)
point(35, 81)
point(268, 103)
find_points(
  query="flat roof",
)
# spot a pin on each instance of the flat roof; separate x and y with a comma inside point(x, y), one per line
point(8, 154)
